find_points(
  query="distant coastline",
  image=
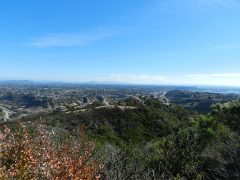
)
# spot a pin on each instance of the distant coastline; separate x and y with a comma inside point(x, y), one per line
point(194, 88)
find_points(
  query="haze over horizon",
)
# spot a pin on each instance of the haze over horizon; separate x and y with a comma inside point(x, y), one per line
point(136, 42)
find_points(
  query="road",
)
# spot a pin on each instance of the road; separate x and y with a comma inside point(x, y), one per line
point(105, 101)
point(6, 113)
point(165, 99)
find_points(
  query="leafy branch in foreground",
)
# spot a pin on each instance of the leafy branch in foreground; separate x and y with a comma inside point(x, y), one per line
point(33, 151)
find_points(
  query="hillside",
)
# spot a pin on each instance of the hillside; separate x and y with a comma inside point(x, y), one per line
point(199, 101)
point(155, 136)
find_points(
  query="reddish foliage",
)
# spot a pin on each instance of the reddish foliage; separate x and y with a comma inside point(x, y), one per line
point(26, 154)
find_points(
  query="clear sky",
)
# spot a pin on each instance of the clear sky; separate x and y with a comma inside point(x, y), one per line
point(132, 41)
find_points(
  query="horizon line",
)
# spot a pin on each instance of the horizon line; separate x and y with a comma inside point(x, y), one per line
point(115, 83)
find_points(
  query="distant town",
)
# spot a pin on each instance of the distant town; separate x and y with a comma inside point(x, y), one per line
point(22, 98)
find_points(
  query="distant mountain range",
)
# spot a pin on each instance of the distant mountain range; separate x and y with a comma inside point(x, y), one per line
point(194, 88)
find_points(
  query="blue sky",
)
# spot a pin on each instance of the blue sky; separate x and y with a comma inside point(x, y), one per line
point(132, 41)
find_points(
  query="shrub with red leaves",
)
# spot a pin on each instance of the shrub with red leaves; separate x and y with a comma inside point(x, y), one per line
point(32, 152)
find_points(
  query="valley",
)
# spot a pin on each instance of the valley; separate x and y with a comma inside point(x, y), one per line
point(142, 130)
